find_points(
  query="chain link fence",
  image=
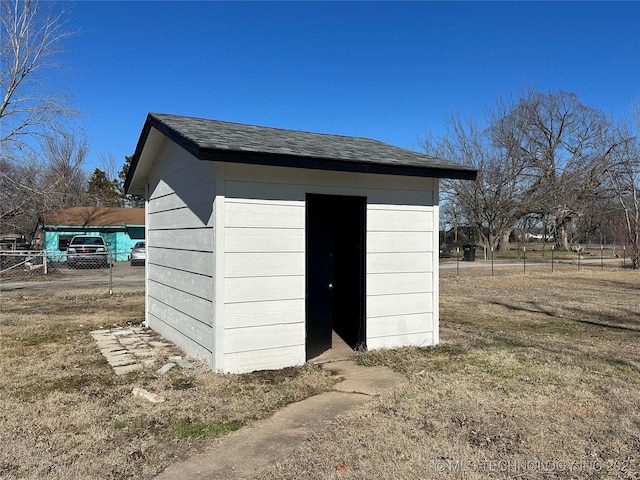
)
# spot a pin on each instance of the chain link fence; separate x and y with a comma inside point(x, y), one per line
point(117, 270)
point(23, 269)
point(471, 260)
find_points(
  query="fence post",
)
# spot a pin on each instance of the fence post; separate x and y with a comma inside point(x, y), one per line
point(110, 259)
point(457, 261)
point(492, 261)
point(552, 249)
point(601, 257)
point(578, 258)
point(44, 262)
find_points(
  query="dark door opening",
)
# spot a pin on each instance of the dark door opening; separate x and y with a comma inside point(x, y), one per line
point(335, 271)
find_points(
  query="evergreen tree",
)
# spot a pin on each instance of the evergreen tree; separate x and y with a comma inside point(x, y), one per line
point(136, 201)
point(103, 191)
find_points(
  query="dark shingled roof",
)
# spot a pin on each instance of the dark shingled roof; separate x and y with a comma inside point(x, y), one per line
point(233, 142)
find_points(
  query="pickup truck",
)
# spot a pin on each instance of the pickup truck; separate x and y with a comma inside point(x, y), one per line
point(87, 250)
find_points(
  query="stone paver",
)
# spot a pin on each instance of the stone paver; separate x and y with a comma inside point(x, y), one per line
point(133, 348)
point(165, 368)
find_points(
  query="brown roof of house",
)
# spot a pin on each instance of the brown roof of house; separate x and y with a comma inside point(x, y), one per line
point(93, 216)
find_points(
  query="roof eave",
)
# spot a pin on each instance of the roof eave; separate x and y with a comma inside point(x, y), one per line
point(153, 123)
point(295, 161)
point(283, 160)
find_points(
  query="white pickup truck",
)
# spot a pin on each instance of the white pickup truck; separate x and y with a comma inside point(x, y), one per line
point(87, 250)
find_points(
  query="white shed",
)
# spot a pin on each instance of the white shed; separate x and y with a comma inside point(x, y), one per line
point(262, 242)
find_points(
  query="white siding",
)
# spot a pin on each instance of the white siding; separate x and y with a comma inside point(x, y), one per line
point(395, 341)
point(263, 275)
point(258, 314)
point(226, 258)
point(269, 359)
point(180, 258)
point(401, 269)
point(264, 260)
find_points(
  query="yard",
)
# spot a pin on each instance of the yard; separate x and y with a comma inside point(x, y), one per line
point(65, 415)
point(537, 376)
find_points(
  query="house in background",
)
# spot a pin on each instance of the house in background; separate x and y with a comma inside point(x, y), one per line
point(264, 246)
point(121, 227)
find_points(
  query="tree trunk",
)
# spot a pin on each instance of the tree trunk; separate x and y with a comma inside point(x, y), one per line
point(564, 236)
point(503, 241)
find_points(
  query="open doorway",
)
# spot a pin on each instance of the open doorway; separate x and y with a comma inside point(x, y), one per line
point(335, 271)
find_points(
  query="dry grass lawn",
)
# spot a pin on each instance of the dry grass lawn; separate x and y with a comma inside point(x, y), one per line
point(537, 377)
point(64, 414)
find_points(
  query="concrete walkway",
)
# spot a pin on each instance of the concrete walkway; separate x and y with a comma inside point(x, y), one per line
point(252, 449)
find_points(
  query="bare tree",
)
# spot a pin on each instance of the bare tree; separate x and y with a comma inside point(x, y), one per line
point(19, 192)
point(31, 36)
point(542, 158)
point(623, 171)
point(64, 176)
point(32, 108)
point(561, 141)
point(494, 202)
point(34, 185)
point(109, 165)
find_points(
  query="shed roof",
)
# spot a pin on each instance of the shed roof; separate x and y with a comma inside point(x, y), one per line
point(234, 142)
point(92, 216)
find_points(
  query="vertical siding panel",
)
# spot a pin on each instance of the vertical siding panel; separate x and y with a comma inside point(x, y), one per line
point(436, 263)
point(179, 213)
point(401, 241)
point(219, 252)
point(264, 271)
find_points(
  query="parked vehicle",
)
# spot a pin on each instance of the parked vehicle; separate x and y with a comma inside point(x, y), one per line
point(86, 251)
point(445, 252)
point(138, 254)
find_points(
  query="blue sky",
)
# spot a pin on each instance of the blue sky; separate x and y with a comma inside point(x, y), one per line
point(389, 71)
